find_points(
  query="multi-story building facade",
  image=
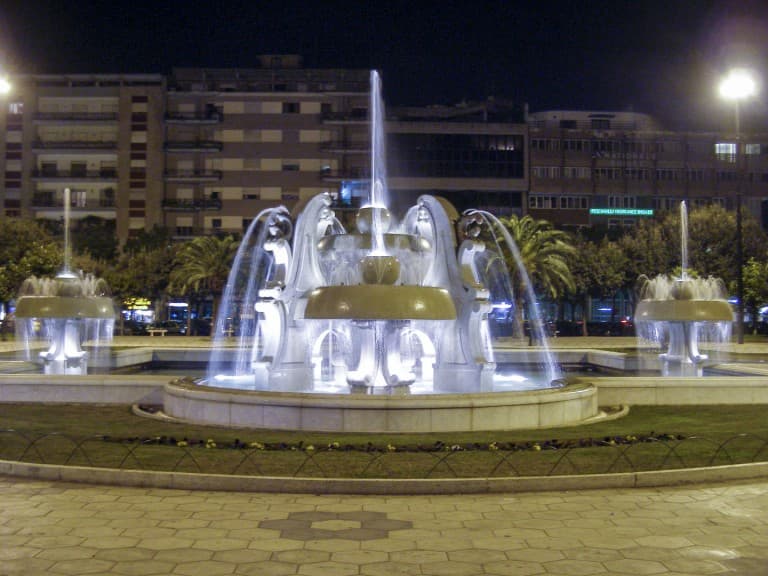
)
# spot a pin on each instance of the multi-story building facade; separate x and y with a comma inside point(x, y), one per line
point(98, 135)
point(474, 155)
point(203, 151)
point(611, 168)
point(239, 141)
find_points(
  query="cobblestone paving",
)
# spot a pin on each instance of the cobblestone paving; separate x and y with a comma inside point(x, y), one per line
point(56, 528)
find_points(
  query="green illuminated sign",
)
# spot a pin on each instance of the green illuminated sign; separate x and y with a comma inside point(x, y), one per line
point(621, 211)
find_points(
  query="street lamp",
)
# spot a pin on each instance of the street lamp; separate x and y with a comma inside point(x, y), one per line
point(738, 85)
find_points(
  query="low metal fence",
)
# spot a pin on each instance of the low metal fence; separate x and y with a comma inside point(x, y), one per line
point(468, 460)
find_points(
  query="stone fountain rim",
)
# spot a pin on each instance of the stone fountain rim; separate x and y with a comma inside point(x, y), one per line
point(684, 311)
point(65, 307)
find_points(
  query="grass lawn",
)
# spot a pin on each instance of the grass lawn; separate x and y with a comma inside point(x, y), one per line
point(647, 438)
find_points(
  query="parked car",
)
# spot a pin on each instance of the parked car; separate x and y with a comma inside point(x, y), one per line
point(171, 327)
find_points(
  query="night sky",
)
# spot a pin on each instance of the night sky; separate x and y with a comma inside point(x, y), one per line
point(658, 57)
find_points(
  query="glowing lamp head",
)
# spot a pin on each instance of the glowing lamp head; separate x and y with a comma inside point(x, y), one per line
point(5, 85)
point(738, 85)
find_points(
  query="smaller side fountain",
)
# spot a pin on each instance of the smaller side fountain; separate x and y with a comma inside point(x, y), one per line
point(682, 312)
point(64, 311)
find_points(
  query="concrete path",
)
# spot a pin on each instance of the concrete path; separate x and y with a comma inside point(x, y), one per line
point(56, 528)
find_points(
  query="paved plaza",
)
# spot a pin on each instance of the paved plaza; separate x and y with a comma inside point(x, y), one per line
point(57, 528)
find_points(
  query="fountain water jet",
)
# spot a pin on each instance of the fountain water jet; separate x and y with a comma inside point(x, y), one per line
point(683, 312)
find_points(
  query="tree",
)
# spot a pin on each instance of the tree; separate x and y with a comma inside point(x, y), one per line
point(202, 266)
point(712, 237)
point(26, 249)
point(598, 269)
point(544, 253)
point(755, 288)
point(95, 236)
point(141, 274)
point(650, 249)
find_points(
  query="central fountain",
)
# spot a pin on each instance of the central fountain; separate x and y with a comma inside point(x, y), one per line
point(383, 327)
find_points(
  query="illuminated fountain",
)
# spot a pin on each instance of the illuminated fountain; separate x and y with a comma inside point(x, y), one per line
point(63, 312)
point(683, 312)
point(384, 327)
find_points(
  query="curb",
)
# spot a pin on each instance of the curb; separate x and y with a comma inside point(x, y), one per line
point(413, 487)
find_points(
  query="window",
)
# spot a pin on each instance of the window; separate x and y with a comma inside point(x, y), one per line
point(577, 172)
point(621, 201)
point(15, 107)
point(290, 107)
point(542, 202)
point(568, 124)
point(290, 166)
point(600, 124)
point(726, 151)
point(753, 149)
point(216, 223)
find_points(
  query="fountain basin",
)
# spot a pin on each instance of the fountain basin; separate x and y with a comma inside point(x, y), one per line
point(684, 311)
point(380, 302)
point(200, 404)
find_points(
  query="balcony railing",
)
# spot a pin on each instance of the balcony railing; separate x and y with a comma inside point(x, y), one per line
point(349, 174)
point(89, 145)
point(352, 117)
point(176, 205)
point(75, 117)
point(45, 174)
point(188, 175)
point(194, 146)
point(269, 82)
point(345, 147)
point(194, 117)
point(41, 200)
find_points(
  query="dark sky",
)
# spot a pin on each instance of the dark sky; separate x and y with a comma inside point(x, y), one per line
point(659, 57)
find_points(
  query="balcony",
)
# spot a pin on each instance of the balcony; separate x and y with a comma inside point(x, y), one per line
point(176, 205)
point(348, 174)
point(74, 146)
point(213, 116)
point(340, 147)
point(50, 200)
point(194, 146)
point(192, 175)
point(359, 117)
point(75, 117)
point(74, 175)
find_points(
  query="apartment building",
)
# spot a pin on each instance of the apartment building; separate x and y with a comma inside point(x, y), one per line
point(200, 151)
point(613, 168)
point(203, 151)
point(98, 135)
point(238, 141)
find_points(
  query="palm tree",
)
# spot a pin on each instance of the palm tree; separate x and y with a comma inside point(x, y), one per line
point(544, 252)
point(202, 265)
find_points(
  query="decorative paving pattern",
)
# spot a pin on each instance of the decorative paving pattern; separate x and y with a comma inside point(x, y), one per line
point(326, 525)
point(58, 529)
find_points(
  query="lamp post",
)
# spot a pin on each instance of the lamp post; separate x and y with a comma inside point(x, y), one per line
point(738, 85)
